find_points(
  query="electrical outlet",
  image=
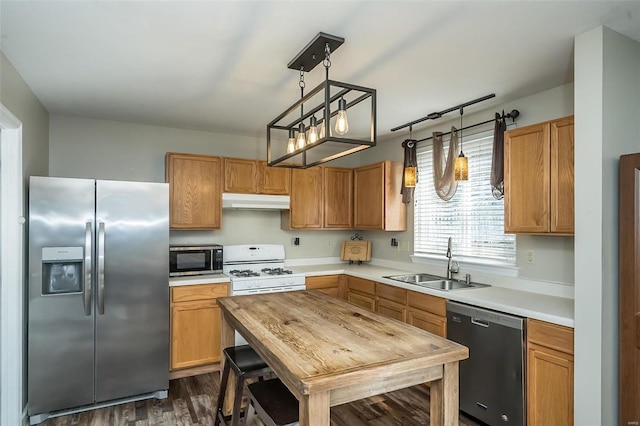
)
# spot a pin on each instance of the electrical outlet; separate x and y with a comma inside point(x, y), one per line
point(329, 243)
point(531, 257)
point(404, 245)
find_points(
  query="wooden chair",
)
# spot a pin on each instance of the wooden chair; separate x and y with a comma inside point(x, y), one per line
point(246, 364)
point(273, 403)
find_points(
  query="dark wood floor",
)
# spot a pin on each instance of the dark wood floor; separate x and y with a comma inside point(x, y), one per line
point(192, 401)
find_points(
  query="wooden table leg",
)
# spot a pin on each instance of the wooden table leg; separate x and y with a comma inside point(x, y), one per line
point(436, 405)
point(227, 339)
point(445, 397)
point(315, 409)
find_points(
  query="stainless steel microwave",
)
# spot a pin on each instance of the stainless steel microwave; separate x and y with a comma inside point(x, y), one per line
point(194, 260)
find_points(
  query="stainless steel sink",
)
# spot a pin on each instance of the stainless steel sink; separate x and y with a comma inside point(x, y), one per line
point(414, 278)
point(434, 282)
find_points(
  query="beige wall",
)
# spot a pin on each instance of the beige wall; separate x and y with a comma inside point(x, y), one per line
point(553, 255)
point(20, 100)
point(82, 147)
point(90, 148)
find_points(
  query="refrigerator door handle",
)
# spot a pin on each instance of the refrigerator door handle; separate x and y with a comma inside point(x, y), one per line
point(101, 268)
point(88, 270)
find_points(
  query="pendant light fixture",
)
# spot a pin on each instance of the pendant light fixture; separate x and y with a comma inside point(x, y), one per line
point(410, 167)
point(330, 100)
point(301, 140)
point(462, 163)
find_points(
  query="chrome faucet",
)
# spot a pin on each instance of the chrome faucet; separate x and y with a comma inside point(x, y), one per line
point(452, 266)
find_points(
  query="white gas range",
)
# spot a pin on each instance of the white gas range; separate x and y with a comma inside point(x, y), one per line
point(258, 268)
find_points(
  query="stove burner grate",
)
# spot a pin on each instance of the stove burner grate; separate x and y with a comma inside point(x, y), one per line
point(244, 273)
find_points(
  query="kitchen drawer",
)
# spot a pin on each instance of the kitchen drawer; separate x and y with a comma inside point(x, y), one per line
point(361, 300)
point(392, 293)
point(426, 302)
point(332, 291)
point(325, 281)
point(390, 309)
point(190, 293)
point(550, 335)
point(427, 321)
point(361, 285)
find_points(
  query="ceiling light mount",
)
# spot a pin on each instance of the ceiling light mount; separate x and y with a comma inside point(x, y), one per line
point(314, 52)
point(327, 104)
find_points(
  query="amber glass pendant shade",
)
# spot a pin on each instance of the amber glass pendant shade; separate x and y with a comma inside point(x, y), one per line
point(461, 167)
point(410, 177)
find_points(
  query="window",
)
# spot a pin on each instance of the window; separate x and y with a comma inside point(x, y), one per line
point(473, 217)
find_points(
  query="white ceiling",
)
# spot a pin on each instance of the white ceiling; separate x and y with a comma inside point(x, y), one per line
point(221, 65)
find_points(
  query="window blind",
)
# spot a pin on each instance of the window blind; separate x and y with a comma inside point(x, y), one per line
point(472, 218)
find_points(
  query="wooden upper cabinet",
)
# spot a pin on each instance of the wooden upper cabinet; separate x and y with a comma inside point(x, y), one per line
point(377, 200)
point(273, 180)
point(306, 207)
point(245, 176)
point(195, 190)
point(338, 197)
point(240, 175)
point(562, 176)
point(538, 178)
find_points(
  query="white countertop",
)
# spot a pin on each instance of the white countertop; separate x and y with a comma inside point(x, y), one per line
point(557, 310)
point(198, 279)
point(553, 309)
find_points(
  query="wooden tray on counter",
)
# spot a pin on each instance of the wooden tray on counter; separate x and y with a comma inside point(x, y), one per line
point(356, 251)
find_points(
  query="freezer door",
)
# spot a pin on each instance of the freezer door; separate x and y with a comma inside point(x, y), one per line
point(60, 331)
point(132, 294)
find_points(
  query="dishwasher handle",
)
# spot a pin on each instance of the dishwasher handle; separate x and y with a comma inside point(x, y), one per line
point(479, 322)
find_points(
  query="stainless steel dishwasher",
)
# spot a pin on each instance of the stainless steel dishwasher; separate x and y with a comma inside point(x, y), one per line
point(492, 378)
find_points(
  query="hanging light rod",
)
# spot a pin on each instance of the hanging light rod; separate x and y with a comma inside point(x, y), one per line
point(512, 115)
point(313, 53)
point(436, 115)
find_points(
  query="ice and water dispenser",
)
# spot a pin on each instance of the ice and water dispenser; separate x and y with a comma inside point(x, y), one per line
point(62, 270)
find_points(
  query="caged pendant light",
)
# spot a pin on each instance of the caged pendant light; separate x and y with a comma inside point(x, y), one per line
point(461, 167)
point(303, 135)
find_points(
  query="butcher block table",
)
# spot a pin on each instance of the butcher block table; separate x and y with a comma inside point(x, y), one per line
point(329, 352)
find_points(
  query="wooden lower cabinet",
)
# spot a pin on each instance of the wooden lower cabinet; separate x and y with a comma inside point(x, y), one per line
point(195, 325)
point(361, 292)
point(550, 374)
point(427, 321)
point(392, 309)
point(363, 300)
point(391, 301)
point(418, 309)
point(327, 284)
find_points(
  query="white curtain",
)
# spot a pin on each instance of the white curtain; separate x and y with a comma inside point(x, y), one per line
point(443, 177)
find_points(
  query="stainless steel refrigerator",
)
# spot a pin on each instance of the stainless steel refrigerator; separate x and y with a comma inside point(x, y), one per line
point(98, 293)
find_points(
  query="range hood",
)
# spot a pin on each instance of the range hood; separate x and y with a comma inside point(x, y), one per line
point(255, 201)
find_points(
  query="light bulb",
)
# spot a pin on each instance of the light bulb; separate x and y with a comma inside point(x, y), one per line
point(410, 176)
point(291, 145)
point(313, 130)
point(461, 169)
point(301, 140)
point(342, 124)
point(323, 132)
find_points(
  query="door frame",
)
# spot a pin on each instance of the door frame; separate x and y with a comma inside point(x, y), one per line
point(12, 248)
point(629, 287)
